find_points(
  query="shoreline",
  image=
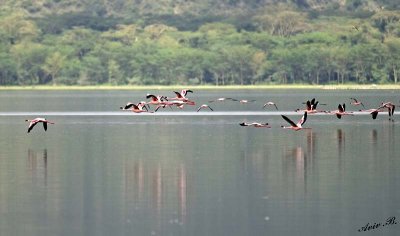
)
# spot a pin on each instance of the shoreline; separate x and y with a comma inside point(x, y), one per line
point(205, 87)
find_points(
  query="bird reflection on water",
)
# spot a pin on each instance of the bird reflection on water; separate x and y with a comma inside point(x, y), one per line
point(157, 188)
point(37, 165)
point(300, 161)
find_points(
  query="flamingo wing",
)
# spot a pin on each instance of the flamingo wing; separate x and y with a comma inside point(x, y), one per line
point(289, 121)
point(313, 101)
point(184, 92)
point(153, 97)
point(302, 120)
point(374, 114)
point(179, 95)
point(314, 106)
point(31, 125)
point(308, 105)
point(144, 107)
point(355, 100)
point(340, 108)
point(391, 110)
point(45, 126)
point(129, 105)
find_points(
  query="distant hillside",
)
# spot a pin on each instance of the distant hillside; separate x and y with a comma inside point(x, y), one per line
point(125, 8)
point(220, 42)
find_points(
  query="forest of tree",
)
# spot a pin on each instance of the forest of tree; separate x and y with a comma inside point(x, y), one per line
point(220, 42)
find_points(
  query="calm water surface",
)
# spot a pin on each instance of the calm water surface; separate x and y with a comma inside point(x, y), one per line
point(100, 171)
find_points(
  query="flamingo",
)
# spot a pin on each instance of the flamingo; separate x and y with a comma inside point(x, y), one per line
point(295, 126)
point(33, 122)
point(156, 98)
point(341, 111)
point(390, 106)
point(311, 107)
point(373, 112)
point(243, 101)
point(127, 106)
point(355, 102)
point(255, 124)
point(179, 104)
point(270, 104)
point(140, 107)
point(182, 95)
point(185, 91)
point(222, 99)
point(204, 106)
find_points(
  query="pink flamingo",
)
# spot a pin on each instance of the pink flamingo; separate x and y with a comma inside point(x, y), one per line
point(222, 99)
point(390, 106)
point(204, 106)
point(293, 125)
point(182, 95)
point(33, 122)
point(341, 111)
point(255, 124)
point(311, 107)
point(355, 102)
point(270, 104)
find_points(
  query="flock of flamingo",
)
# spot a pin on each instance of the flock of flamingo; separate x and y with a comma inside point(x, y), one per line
point(180, 100)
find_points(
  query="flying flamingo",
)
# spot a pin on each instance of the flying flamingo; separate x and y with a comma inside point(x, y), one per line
point(33, 122)
point(181, 96)
point(341, 111)
point(204, 106)
point(295, 126)
point(355, 102)
point(373, 112)
point(179, 104)
point(140, 107)
point(243, 101)
point(255, 124)
point(185, 91)
point(270, 104)
point(311, 107)
point(222, 99)
point(156, 100)
point(390, 106)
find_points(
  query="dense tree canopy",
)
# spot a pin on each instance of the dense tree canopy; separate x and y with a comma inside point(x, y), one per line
point(199, 42)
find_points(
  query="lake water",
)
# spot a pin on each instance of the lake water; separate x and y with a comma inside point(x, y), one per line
point(102, 171)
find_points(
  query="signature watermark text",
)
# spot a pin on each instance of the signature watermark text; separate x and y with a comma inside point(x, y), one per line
point(373, 226)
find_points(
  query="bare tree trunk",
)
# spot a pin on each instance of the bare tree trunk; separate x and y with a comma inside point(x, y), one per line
point(329, 76)
point(337, 77)
point(241, 74)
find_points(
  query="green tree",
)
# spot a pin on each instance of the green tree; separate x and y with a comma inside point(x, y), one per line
point(17, 27)
point(393, 57)
point(29, 58)
point(53, 64)
point(114, 73)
